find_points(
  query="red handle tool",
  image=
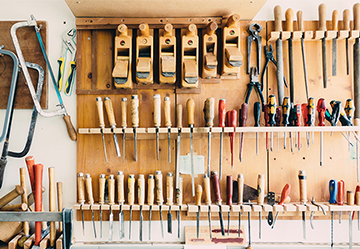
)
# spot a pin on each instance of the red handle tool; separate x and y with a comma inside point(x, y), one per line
point(231, 122)
point(30, 161)
point(285, 193)
point(357, 198)
point(229, 189)
point(222, 112)
point(38, 173)
point(321, 108)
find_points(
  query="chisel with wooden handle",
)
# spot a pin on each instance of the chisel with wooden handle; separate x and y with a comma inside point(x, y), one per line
point(157, 120)
point(167, 113)
point(131, 197)
point(38, 174)
point(89, 192)
point(159, 197)
point(102, 181)
point(52, 204)
point(289, 20)
point(23, 184)
point(110, 113)
point(150, 198)
point(198, 194)
point(111, 191)
point(99, 106)
point(121, 200)
point(322, 27)
point(209, 122)
point(169, 198)
point(141, 201)
point(135, 119)
point(123, 122)
point(208, 200)
point(190, 106)
point(81, 197)
point(240, 181)
point(216, 186)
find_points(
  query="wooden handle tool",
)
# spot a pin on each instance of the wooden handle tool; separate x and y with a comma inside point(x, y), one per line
point(11, 195)
point(52, 204)
point(151, 190)
point(170, 189)
point(23, 184)
point(102, 181)
point(135, 119)
point(277, 17)
point(60, 195)
point(240, 181)
point(168, 122)
point(141, 189)
point(131, 189)
point(179, 116)
point(30, 161)
point(289, 20)
point(207, 190)
point(120, 187)
point(38, 173)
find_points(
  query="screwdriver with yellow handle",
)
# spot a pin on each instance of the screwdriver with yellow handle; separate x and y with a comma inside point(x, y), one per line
point(209, 122)
point(271, 113)
point(190, 106)
point(168, 122)
point(99, 105)
point(286, 114)
point(110, 113)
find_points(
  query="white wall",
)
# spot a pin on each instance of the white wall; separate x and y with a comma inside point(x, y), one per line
point(52, 147)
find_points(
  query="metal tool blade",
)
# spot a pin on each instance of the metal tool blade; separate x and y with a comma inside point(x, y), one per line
point(169, 149)
point(304, 224)
point(239, 228)
point(334, 56)
point(332, 229)
point(221, 222)
point(260, 218)
point(311, 219)
point(209, 153)
point(323, 46)
point(347, 56)
point(221, 152)
point(350, 230)
point(304, 67)
point(280, 69)
point(179, 218)
point(228, 232)
point(135, 144)
point(257, 143)
point(276, 216)
point(82, 219)
point(161, 222)
point(177, 164)
point(210, 230)
point(169, 221)
point(291, 70)
point(249, 223)
point(157, 143)
point(192, 162)
point(150, 208)
point(111, 225)
point(130, 222)
point(116, 145)
point(92, 216)
point(358, 212)
point(198, 223)
point(340, 215)
point(103, 138)
point(121, 223)
point(141, 224)
point(123, 130)
point(101, 221)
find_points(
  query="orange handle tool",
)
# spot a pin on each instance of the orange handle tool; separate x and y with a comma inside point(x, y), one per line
point(38, 173)
point(285, 193)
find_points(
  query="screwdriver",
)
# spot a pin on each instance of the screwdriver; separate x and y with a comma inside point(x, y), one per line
point(190, 106)
point(298, 122)
point(131, 197)
point(168, 122)
point(243, 112)
point(123, 122)
point(340, 196)
point(284, 194)
point(271, 113)
point(121, 200)
point(135, 119)
point(257, 113)
point(141, 201)
point(240, 182)
point(231, 122)
point(157, 120)
point(304, 112)
point(110, 113)
point(81, 197)
point(285, 113)
point(89, 192)
point(208, 200)
point(209, 122)
point(101, 198)
point(321, 108)
point(222, 116)
point(277, 122)
point(311, 115)
point(229, 193)
point(333, 192)
point(99, 105)
point(150, 198)
point(159, 197)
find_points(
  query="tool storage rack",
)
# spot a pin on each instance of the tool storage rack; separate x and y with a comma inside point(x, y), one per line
point(95, 63)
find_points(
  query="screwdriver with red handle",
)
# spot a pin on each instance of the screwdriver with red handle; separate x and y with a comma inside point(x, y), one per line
point(243, 112)
point(321, 108)
point(340, 196)
point(304, 112)
point(231, 122)
point(222, 115)
point(284, 195)
point(298, 122)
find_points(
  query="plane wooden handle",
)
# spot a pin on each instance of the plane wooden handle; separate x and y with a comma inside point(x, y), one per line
point(277, 17)
point(289, 20)
point(60, 195)
point(356, 13)
point(335, 20)
point(207, 190)
point(191, 30)
point(190, 107)
point(216, 186)
point(322, 17)
point(167, 112)
point(240, 181)
point(302, 184)
point(131, 189)
point(178, 115)
point(11, 195)
point(111, 189)
point(233, 21)
point(120, 187)
point(229, 189)
point(346, 19)
point(261, 189)
point(169, 188)
point(144, 29)
point(135, 111)
point(179, 192)
point(23, 184)
point(141, 189)
point(157, 110)
point(123, 112)
point(151, 190)
point(300, 20)
point(198, 194)
point(81, 188)
point(30, 161)
point(159, 187)
point(110, 111)
point(99, 106)
point(70, 127)
point(102, 181)
point(89, 192)
point(52, 203)
point(211, 28)
point(209, 111)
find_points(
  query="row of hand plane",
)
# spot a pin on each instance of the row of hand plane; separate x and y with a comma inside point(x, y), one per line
point(144, 58)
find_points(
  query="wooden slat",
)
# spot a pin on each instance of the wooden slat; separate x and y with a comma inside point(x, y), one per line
point(13, 244)
point(59, 242)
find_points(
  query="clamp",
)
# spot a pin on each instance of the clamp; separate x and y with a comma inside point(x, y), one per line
point(254, 29)
point(270, 57)
point(254, 81)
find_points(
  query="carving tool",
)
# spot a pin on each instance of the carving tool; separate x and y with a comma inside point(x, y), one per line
point(322, 27)
point(284, 194)
point(216, 185)
point(89, 192)
point(261, 195)
point(178, 143)
point(231, 122)
point(110, 113)
point(229, 193)
point(340, 196)
point(135, 119)
point(285, 114)
point(198, 203)
point(346, 23)
point(209, 114)
point(321, 108)
point(157, 120)
point(131, 197)
point(123, 122)
point(243, 112)
point(279, 53)
point(99, 105)
point(169, 198)
point(167, 113)
point(190, 106)
point(289, 19)
point(178, 200)
point(24, 199)
point(333, 192)
point(301, 28)
point(335, 16)
point(141, 200)
point(159, 197)
point(208, 200)
point(52, 204)
point(271, 113)
point(81, 197)
point(356, 11)
point(111, 190)
point(257, 113)
point(102, 181)
point(240, 182)
point(303, 198)
point(150, 198)
point(38, 173)
point(121, 200)
point(222, 116)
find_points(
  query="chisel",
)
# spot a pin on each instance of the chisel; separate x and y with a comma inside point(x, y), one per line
point(240, 182)
point(81, 197)
point(190, 106)
point(209, 122)
point(121, 200)
point(157, 120)
point(208, 200)
point(229, 194)
point(150, 198)
point(135, 119)
point(178, 143)
point(279, 54)
point(335, 16)
point(110, 113)
point(301, 28)
point(231, 122)
point(169, 198)
point(159, 197)
point(340, 196)
point(198, 204)
point(102, 181)
point(89, 192)
point(222, 116)
point(99, 105)
point(123, 122)
point(333, 192)
point(52, 204)
point(141, 201)
point(346, 26)
point(131, 197)
point(111, 191)
point(261, 195)
point(289, 19)
point(303, 198)
point(216, 186)
point(178, 200)
point(38, 173)
point(167, 113)
point(322, 27)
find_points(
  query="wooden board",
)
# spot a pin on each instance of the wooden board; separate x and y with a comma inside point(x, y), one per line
point(8, 230)
point(32, 53)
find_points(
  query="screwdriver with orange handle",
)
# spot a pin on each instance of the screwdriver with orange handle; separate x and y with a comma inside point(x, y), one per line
point(243, 112)
point(321, 108)
point(222, 116)
point(271, 115)
point(340, 196)
point(284, 195)
point(231, 122)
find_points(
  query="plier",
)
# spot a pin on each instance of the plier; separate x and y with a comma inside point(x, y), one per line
point(254, 29)
point(68, 45)
point(270, 57)
point(254, 81)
